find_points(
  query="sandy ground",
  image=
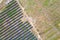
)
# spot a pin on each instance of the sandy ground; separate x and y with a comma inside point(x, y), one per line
point(2, 4)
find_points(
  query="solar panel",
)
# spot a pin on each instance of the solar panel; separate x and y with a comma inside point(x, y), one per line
point(11, 25)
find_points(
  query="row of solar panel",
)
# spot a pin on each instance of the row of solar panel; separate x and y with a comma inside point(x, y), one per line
point(19, 31)
point(13, 10)
point(12, 28)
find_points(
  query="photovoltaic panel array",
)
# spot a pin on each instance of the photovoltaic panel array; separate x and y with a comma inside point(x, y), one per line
point(11, 25)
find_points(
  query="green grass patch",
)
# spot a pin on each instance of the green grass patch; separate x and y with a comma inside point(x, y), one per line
point(57, 22)
point(11, 12)
point(46, 3)
point(49, 2)
point(1, 20)
point(52, 33)
point(30, 2)
point(56, 38)
point(47, 29)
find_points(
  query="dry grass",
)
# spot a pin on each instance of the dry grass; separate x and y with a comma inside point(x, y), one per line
point(44, 12)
